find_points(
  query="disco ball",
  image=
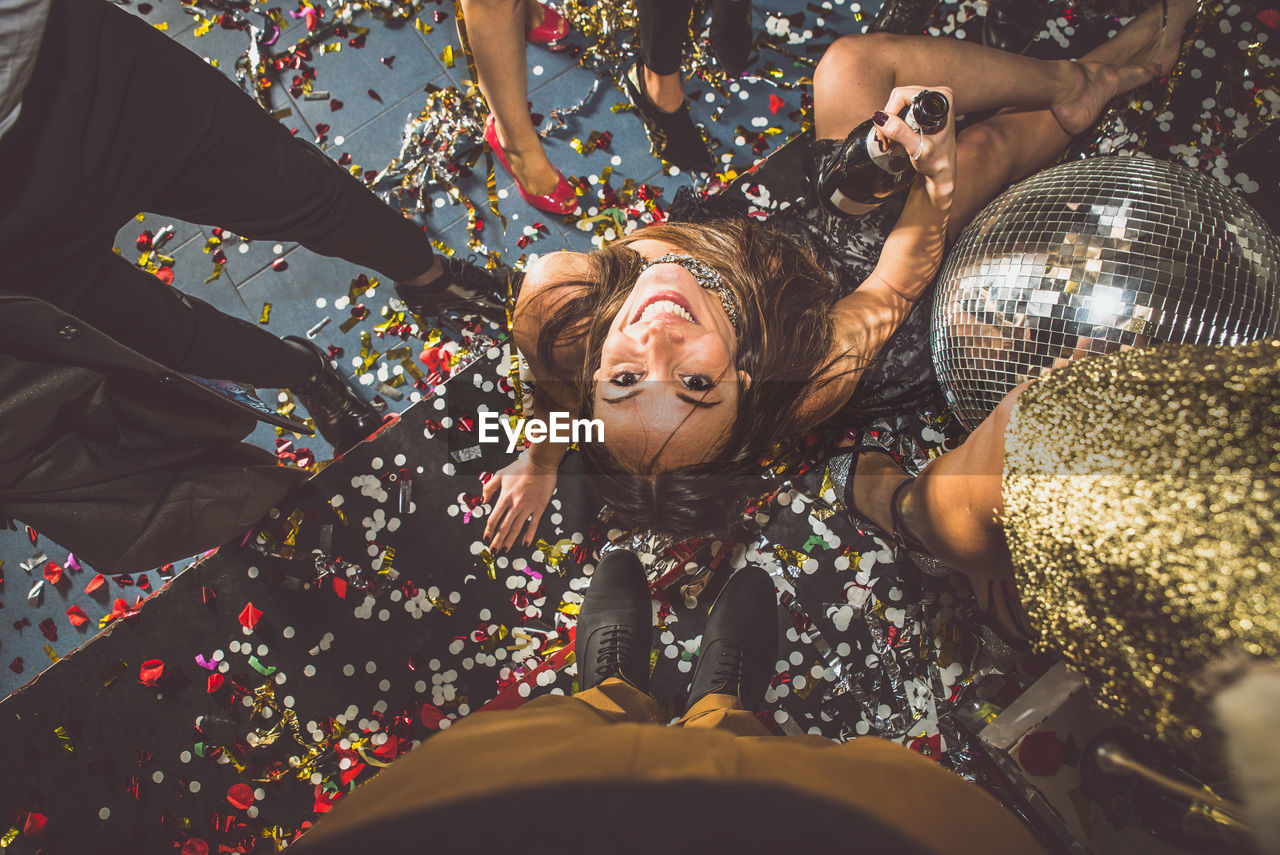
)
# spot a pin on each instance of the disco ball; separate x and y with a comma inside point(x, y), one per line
point(1094, 256)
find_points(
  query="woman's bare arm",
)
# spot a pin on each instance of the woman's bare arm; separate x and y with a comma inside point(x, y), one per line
point(864, 321)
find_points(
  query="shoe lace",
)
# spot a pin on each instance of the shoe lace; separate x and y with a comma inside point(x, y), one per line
point(730, 665)
point(615, 653)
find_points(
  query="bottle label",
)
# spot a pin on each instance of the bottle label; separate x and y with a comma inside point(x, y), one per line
point(849, 206)
point(889, 156)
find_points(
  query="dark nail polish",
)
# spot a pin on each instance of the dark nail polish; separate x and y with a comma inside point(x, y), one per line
point(879, 118)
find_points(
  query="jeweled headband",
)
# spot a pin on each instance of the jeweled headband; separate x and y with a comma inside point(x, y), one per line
point(705, 277)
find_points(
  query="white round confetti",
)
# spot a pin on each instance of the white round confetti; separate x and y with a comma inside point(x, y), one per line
point(194, 786)
point(104, 813)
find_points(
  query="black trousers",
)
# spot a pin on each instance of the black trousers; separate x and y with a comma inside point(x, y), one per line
point(664, 28)
point(118, 119)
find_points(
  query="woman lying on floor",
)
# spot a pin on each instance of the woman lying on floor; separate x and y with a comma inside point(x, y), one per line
point(701, 347)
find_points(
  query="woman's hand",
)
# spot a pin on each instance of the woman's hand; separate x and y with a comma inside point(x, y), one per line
point(934, 155)
point(523, 490)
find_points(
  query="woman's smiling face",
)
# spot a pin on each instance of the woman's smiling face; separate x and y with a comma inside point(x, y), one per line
point(666, 384)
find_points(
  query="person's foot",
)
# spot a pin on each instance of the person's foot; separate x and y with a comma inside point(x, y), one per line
point(615, 624)
point(1012, 25)
point(740, 642)
point(672, 134)
point(462, 289)
point(1144, 50)
point(543, 24)
point(540, 184)
point(341, 416)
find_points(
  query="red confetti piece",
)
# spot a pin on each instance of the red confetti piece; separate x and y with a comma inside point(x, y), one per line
point(95, 583)
point(150, 672)
point(240, 796)
point(144, 241)
point(1270, 18)
point(335, 105)
point(374, 95)
point(279, 265)
point(165, 274)
point(16, 665)
point(49, 628)
point(388, 61)
point(76, 615)
point(215, 683)
point(1040, 753)
point(431, 717)
point(775, 104)
point(195, 846)
point(208, 595)
point(32, 535)
point(324, 801)
point(340, 587)
point(250, 616)
point(53, 573)
point(34, 826)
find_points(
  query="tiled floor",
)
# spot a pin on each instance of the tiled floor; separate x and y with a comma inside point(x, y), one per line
point(397, 63)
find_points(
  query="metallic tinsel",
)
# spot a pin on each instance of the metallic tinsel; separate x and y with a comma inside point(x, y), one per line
point(1142, 511)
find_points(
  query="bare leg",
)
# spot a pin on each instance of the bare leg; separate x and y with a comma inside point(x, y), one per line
point(1045, 101)
point(666, 91)
point(498, 45)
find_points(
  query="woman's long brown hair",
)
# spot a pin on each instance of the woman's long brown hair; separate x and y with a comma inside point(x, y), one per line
point(784, 343)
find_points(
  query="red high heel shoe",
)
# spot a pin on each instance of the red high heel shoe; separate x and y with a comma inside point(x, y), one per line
point(554, 27)
point(562, 200)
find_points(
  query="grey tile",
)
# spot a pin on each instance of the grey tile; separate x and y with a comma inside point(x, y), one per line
point(349, 76)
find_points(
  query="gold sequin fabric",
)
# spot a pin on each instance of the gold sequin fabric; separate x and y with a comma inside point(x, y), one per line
point(1142, 511)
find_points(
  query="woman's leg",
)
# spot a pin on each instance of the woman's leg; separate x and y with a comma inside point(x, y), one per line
point(663, 29)
point(1044, 101)
point(498, 47)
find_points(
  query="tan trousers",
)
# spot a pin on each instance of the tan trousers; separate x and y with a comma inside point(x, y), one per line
point(615, 732)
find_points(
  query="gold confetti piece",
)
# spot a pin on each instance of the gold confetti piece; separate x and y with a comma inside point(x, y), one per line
point(422, 26)
point(161, 26)
point(265, 317)
point(64, 738)
point(446, 56)
point(9, 836)
point(490, 566)
point(331, 47)
point(282, 113)
point(395, 354)
point(51, 653)
point(114, 674)
point(140, 217)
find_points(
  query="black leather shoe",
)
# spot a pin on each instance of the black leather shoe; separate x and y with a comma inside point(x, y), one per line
point(1012, 25)
point(673, 136)
point(740, 643)
point(341, 416)
point(464, 289)
point(615, 624)
point(731, 35)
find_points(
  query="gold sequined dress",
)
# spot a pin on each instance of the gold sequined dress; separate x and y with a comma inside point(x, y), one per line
point(1142, 511)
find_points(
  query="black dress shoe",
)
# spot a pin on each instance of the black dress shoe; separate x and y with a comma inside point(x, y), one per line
point(740, 643)
point(464, 289)
point(615, 624)
point(1012, 25)
point(731, 35)
point(673, 136)
point(341, 416)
